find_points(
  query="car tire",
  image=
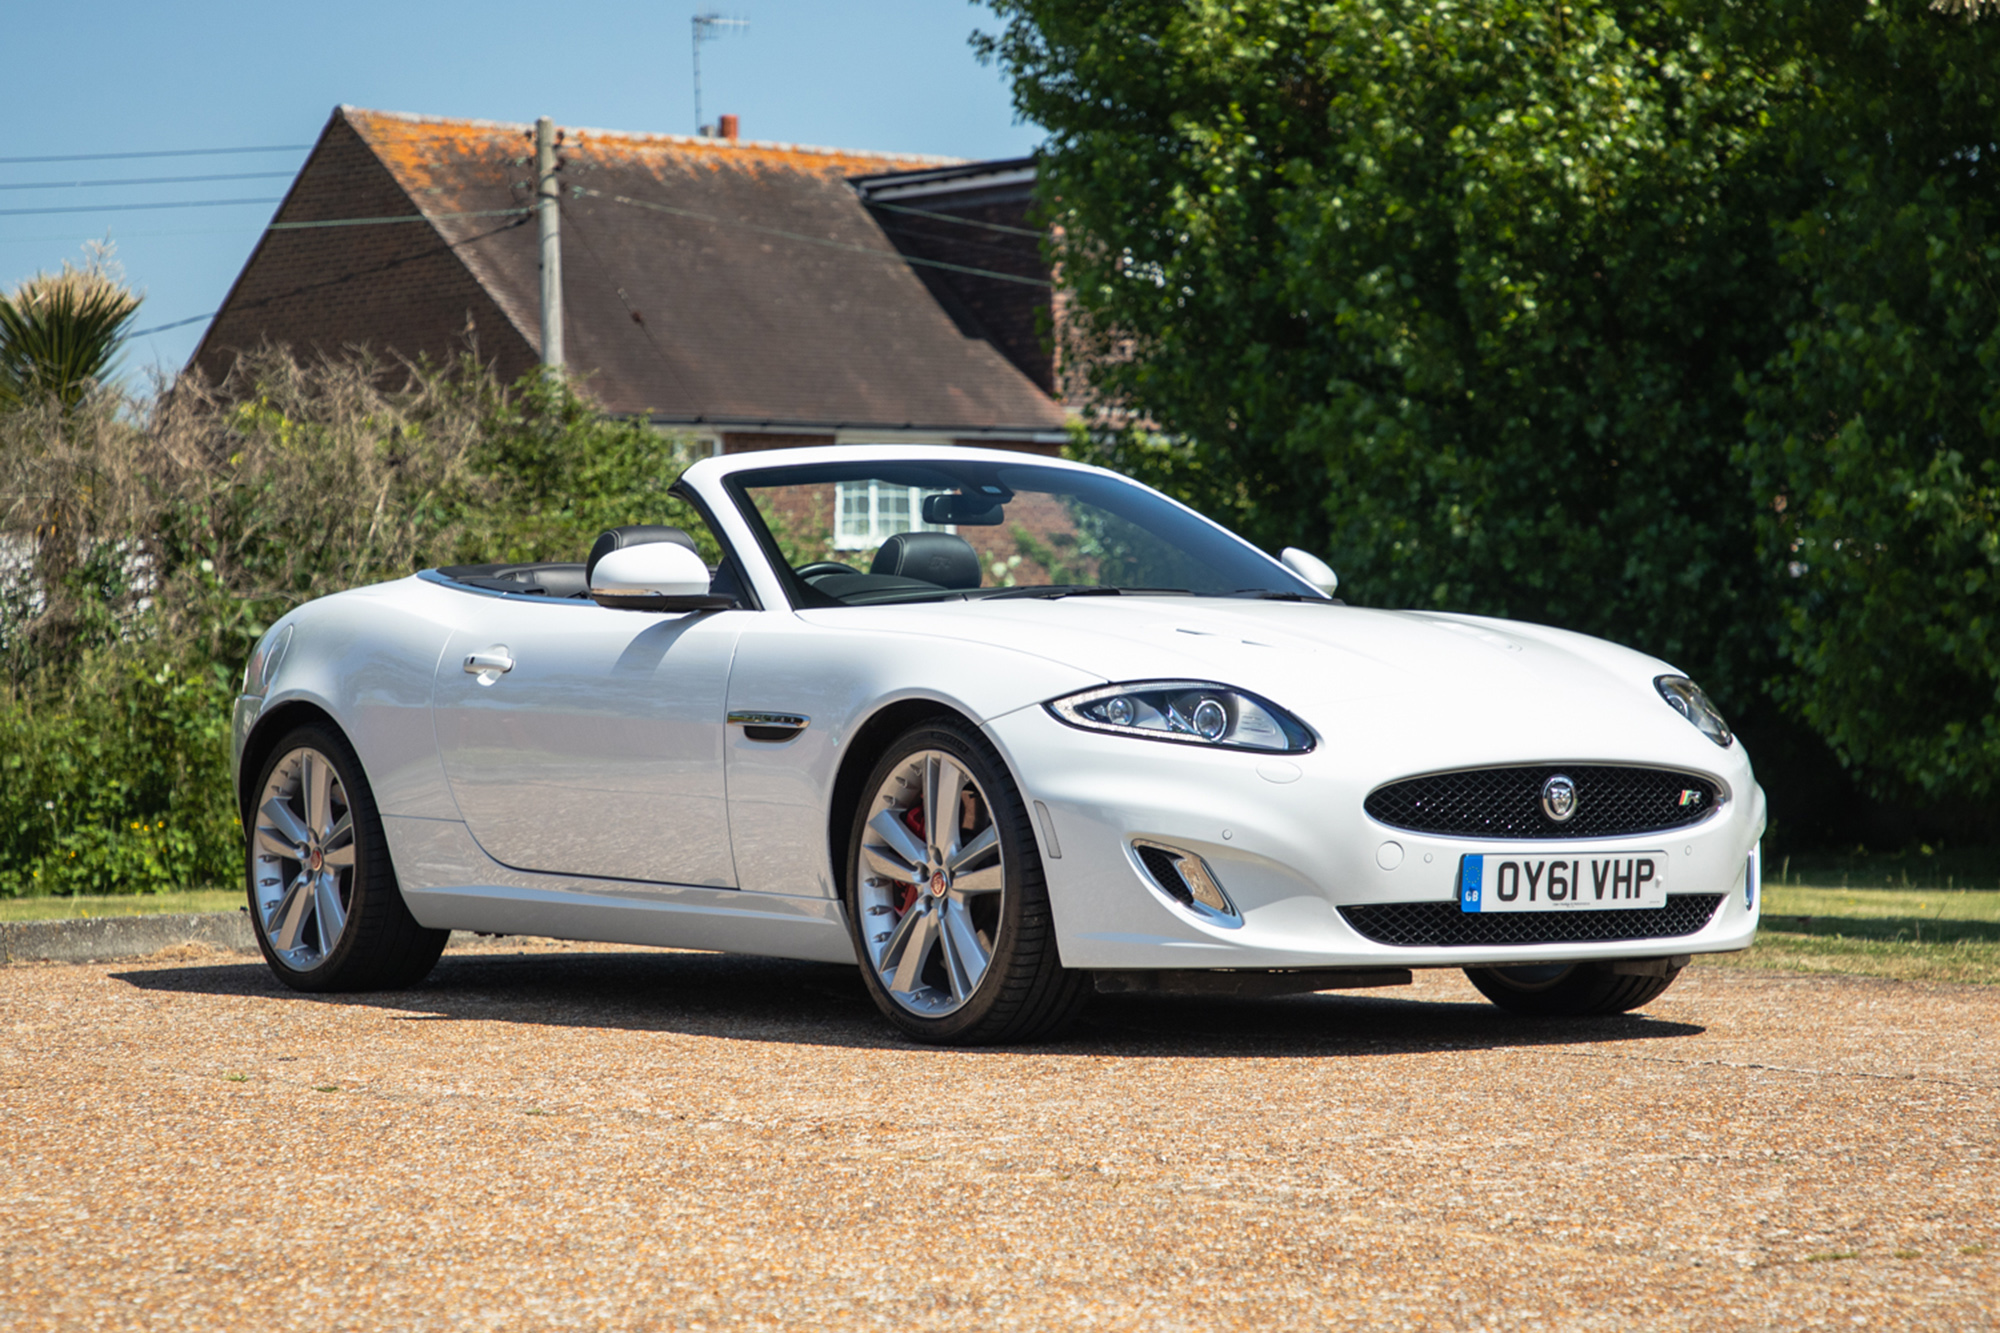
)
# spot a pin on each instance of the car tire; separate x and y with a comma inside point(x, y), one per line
point(1577, 990)
point(919, 922)
point(324, 903)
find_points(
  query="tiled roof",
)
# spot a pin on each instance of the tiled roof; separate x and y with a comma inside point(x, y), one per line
point(705, 280)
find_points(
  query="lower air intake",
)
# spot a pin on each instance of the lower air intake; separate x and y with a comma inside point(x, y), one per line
point(1437, 925)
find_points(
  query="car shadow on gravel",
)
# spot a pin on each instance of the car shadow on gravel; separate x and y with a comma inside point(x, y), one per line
point(823, 1004)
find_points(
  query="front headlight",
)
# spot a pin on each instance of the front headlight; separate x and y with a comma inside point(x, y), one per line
point(1190, 711)
point(265, 659)
point(1685, 697)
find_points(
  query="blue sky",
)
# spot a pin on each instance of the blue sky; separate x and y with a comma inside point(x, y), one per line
point(129, 77)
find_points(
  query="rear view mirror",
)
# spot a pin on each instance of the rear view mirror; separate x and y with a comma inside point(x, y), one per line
point(958, 510)
point(655, 576)
point(1310, 568)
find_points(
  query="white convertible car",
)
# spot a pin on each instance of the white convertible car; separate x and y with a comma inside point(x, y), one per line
point(1004, 731)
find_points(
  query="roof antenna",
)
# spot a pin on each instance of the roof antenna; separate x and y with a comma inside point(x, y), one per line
point(706, 27)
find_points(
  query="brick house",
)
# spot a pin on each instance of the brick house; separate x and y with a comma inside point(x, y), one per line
point(749, 294)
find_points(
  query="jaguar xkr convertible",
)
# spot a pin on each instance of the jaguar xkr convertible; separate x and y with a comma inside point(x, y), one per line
point(1000, 730)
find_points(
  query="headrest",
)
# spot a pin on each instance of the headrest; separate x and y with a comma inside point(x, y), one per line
point(636, 534)
point(943, 558)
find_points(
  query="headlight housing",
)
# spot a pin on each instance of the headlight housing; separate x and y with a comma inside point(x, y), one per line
point(1685, 697)
point(265, 660)
point(1191, 712)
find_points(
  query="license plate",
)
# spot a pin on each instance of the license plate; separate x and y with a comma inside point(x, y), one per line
point(1562, 883)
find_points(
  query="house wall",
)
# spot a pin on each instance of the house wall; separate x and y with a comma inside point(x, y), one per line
point(396, 289)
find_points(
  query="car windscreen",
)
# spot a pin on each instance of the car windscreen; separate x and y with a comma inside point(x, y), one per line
point(872, 532)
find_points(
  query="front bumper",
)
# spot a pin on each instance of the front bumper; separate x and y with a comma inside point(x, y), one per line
point(1288, 841)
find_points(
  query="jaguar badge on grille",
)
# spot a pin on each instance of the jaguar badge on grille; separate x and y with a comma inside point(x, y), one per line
point(1559, 798)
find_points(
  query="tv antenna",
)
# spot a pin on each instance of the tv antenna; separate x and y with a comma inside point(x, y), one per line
point(707, 26)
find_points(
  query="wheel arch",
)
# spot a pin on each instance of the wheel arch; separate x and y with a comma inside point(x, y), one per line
point(871, 740)
point(271, 726)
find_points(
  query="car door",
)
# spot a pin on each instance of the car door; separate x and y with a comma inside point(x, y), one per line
point(580, 740)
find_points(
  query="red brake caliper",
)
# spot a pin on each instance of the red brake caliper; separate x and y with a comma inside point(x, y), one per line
point(913, 818)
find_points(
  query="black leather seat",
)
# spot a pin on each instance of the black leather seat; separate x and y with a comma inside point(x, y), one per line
point(636, 534)
point(943, 558)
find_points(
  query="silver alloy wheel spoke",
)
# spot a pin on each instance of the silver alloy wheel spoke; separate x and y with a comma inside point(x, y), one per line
point(271, 842)
point(338, 852)
point(291, 913)
point(916, 942)
point(317, 776)
point(943, 783)
point(967, 857)
point(286, 822)
point(965, 956)
point(890, 828)
point(931, 907)
point(328, 915)
point(990, 880)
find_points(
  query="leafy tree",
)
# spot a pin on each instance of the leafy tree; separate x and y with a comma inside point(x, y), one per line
point(1875, 428)
point(1476, 297)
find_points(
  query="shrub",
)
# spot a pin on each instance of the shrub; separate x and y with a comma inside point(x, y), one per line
point(198, 515)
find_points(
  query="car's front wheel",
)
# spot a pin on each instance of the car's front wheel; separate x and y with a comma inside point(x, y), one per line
point(323, 894)
point(946, 898)
point(1568, 990)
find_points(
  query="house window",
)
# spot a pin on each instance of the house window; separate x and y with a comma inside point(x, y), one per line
point(868, 513)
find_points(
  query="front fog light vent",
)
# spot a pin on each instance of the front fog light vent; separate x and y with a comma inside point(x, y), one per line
point(1186, 879)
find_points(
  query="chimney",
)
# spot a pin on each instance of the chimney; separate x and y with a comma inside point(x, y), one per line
point(728, 128)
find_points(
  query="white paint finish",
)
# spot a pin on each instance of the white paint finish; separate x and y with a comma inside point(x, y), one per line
point(365, 658)
point(600, 751)
point(840, 675)
point(451, 885)
point(1288, 855)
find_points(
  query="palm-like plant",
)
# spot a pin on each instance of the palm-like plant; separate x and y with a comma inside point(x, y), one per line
point(60, 332)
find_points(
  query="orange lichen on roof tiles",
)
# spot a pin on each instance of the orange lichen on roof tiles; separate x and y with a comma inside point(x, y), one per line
point(418, 148)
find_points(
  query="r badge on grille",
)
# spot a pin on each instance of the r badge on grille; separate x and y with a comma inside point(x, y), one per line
point(1558, 798)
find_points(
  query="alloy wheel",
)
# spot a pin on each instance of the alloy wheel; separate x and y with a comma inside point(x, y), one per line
point(302, 859)
point(933, 882)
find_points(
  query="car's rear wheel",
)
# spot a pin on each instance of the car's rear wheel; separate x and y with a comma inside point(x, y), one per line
point(323, 894)
point(946, 898)
point(1567, 990)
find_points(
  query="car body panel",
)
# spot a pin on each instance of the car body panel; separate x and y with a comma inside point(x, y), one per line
point(597, 751)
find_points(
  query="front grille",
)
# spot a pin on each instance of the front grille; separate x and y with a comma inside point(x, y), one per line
point(1611, 801)
point(1437, 925)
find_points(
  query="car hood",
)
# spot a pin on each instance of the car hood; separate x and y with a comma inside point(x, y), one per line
point(1484, 690)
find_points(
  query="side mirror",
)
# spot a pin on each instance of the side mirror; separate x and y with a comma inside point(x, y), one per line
point(1310, 568)
point(654, 576)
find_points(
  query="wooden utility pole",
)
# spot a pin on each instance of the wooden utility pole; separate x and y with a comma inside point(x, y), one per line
point(549, 227)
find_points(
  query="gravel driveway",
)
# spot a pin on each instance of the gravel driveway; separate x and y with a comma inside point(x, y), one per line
point(548, 1136)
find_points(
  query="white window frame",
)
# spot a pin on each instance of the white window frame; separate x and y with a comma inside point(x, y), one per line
point(877, 529)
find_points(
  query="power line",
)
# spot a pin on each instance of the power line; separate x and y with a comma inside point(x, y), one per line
point(893, 255)
point(401, 217)
point(164, 152)
point(147, 180)
point(345, 277)
point(127, 208)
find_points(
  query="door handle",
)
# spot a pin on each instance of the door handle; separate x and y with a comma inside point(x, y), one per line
point(490, 665)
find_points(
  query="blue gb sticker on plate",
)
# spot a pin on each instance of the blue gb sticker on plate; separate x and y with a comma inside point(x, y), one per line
point(1471, 879)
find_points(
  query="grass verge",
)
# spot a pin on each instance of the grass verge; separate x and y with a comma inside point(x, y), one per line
point(144, 904)
point(1905, 934)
